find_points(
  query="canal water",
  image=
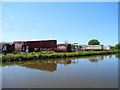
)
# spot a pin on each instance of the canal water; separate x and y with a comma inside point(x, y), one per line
point(85, 72)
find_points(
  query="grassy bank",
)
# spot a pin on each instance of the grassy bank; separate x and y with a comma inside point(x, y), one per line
point(38, 55)
point(52, 60)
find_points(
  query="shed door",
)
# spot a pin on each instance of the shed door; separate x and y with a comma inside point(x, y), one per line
point(23, 48)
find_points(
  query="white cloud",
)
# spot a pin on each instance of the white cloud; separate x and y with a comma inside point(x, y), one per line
point(12, 17)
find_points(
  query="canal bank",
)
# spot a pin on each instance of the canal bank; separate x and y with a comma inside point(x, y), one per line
point(39, 55)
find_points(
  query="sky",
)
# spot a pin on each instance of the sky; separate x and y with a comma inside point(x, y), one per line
point(74, 22)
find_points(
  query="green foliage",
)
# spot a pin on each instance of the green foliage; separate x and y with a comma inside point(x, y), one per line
point(94, 42)
point(117, 46)
point(66, 42)
point(38, 55)
point(118, 55)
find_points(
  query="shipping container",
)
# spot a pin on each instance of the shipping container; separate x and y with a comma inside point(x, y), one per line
point(95, 47)
point(92, 47)
point(31, 45)
point(63, 48)
point(107, 47)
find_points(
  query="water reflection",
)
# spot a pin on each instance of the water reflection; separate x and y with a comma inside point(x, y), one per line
point(96, 59)
point(62, 73)
point(118, 55)
point(48, 65)
point(51, 67)
point(51, 64)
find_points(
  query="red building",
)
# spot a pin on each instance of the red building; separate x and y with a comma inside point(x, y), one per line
point(31, 45)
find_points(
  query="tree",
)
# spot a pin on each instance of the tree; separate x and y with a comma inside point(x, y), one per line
point(94, 42)
point(66, 42)
point(117, 46)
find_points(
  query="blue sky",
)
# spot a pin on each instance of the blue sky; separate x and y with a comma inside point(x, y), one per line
point(75, 22)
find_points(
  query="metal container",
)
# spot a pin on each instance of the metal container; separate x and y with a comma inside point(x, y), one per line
point(63, 48)
point(96, 47)
point(47, 44)
point(107, 47)
point(92, 47)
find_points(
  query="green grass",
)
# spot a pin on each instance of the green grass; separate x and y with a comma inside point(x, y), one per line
point(52, 60)
point(39, 55)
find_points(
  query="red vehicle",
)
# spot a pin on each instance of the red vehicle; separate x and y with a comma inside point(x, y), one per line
point(63, 48)
point(31, 45)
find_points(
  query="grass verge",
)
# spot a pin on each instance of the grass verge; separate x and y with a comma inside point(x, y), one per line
point(38, 55)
